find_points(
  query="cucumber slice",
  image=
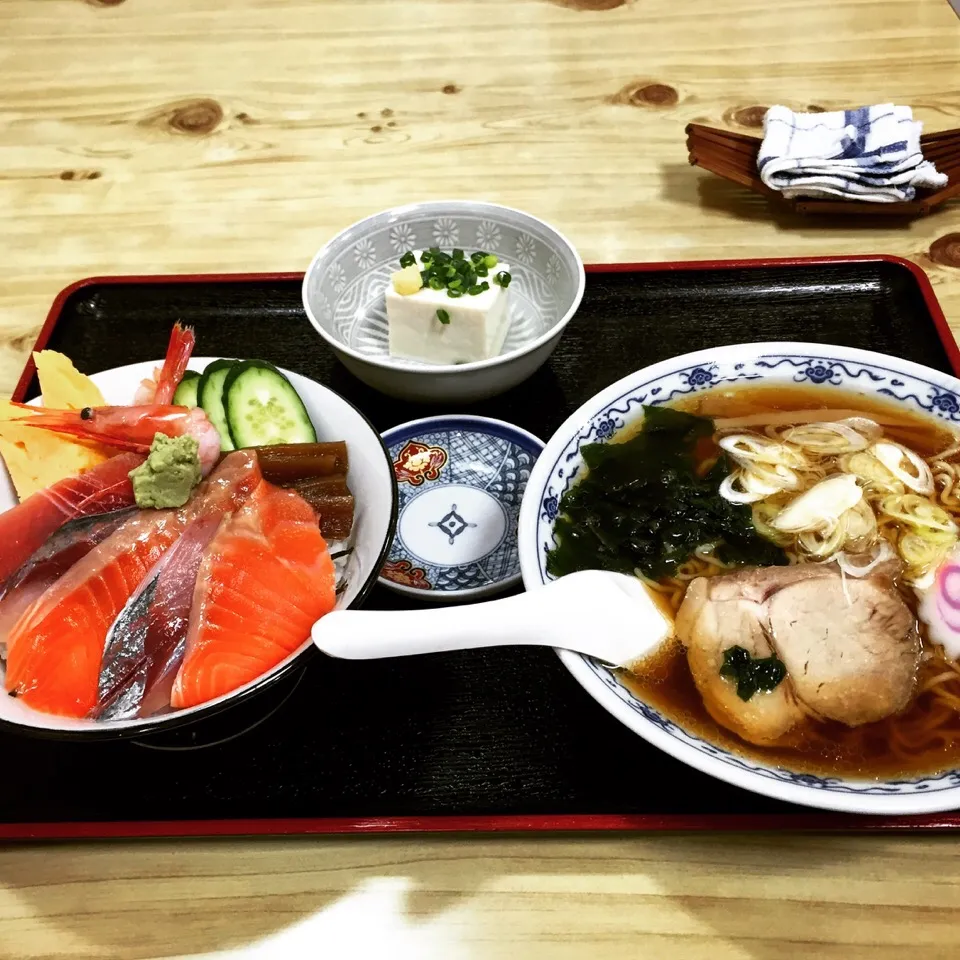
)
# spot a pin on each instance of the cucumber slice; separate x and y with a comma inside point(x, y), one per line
point(210, 396)
point(186, 394)
point(263, 408)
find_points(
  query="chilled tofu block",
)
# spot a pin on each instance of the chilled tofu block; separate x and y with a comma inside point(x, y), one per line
point(473, 327)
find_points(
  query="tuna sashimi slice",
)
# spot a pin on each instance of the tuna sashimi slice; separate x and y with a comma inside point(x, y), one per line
point(102, 489)
point(266, 579)
point(55, 650)
point(145, 646)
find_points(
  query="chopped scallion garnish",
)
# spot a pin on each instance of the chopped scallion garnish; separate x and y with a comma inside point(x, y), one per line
point(443, 316)
point(456, 272)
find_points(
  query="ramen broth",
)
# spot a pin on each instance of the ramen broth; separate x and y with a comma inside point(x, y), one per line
point(925, 738)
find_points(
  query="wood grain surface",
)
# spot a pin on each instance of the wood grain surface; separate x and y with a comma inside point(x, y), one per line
point(152, 136)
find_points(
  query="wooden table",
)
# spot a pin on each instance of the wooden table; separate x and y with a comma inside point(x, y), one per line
point(153, 136)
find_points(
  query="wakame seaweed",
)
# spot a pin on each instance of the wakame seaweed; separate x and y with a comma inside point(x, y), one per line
point(642, 505)
point(751, 674)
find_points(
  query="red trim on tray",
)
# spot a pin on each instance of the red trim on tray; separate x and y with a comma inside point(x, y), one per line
point(926, 289)
point(131, 829)
point(557, 823)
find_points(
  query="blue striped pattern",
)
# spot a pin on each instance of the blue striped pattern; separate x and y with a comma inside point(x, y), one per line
point(870, 153)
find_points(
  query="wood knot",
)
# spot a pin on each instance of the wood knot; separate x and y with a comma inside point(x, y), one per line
point(746, 116)
point(194, 118)
point(104, 3)
point(646, 95)
point(592, 5)
point(946, 250)
point(450, 89)
point(80, 174)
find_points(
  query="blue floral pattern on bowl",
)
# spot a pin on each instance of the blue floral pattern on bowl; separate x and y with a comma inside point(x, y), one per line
point(900, 381)
point(461, 482)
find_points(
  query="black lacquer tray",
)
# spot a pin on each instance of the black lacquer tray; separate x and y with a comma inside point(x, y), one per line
point(486, 740)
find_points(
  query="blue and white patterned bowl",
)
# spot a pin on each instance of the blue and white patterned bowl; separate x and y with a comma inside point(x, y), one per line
point(461, 480)
point(343, 295)
point(917, 388)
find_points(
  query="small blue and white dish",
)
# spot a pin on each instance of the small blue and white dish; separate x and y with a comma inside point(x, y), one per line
point(461, 480)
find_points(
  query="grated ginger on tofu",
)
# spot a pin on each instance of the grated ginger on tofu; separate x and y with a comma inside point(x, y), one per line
point(407, 281)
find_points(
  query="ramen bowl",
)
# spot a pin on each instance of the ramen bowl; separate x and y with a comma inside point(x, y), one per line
point(877, 378)
point(344, 299)
point(371, 480)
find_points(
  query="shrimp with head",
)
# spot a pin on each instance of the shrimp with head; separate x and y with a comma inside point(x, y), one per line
point(134, 428)
point(161, 388)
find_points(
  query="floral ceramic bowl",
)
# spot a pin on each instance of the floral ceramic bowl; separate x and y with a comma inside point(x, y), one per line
point(461, 480)
point(917, 388)
point(343, 295)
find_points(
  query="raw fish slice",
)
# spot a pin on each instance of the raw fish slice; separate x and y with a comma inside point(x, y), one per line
point(145, 646)
point(26, 527)
point(55, 650)
point(71, 543)
point(265, 580)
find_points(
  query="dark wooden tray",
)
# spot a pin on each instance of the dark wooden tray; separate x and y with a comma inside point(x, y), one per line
point(486, 740)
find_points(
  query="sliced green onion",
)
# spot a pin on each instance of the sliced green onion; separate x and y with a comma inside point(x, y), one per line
point(457, 253)
point(482, 270)
point(408, 259)
point(478, 256)
point(455, 284)
point(453, 293)
point(503, 279)
point(490, 261)
point(443, 316)
point(436, 283)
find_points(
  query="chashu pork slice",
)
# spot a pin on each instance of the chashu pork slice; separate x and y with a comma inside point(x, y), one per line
point(849, 644)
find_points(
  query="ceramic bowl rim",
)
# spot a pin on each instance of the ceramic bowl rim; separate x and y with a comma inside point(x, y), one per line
point(167, 722)
point(445, 369)
point(473, 593)
point(942, 800)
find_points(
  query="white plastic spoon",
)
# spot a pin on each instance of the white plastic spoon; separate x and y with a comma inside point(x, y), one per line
point(605, 615)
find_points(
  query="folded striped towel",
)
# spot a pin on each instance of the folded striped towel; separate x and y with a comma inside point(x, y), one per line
point(872, 153)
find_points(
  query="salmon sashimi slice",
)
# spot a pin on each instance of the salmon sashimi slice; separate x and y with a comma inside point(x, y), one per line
point(55, 650)
point(26, 527)
point(70, 544)
point(266, 579)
